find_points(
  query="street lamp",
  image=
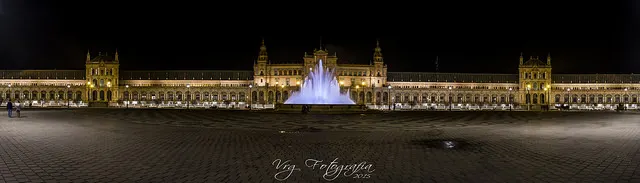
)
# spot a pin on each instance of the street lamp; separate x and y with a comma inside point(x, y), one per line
point(91, 88)
point(127, 87)
point(510, 101)
point(528, 97)
point(276, 94)
point(389, 87)
point(9, 92)
point(189, 95)
point(569, 95)
point(250, 96)
point(282, 93)
point(68, 86)
point(363, 95)
point(450, 98)
point(357, 94)
point(625, 93)
point(546, 95)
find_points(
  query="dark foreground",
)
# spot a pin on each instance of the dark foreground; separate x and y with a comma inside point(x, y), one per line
point(116, 145)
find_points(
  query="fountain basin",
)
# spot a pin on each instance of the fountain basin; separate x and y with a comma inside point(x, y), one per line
point(322, 108)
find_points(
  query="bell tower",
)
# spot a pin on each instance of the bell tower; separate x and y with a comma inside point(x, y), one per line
point(379, 71)
point(260, 66)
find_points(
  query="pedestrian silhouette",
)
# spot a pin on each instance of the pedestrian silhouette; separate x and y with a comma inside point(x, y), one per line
point(9, 107)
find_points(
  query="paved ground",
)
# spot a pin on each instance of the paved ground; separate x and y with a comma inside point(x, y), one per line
point(116, 145)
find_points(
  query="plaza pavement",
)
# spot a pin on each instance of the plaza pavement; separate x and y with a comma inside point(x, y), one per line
point(161, 145)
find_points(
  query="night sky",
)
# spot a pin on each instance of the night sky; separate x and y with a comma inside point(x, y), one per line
point(473, 38)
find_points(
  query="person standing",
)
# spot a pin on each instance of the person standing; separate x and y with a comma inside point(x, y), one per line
point(18, 106)
point(9, 107)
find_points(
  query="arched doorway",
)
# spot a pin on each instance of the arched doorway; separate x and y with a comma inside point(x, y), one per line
point(285, 96)
point(109, 95)
point(78, 96)
point(94, 95)
point(254, 96)
point(102, 95)
point(261, 97)
point(385, 97)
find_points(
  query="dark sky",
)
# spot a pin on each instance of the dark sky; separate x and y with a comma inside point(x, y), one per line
point(480, 37)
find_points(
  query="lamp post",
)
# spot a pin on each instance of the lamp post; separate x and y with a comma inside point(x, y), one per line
point(89, 91)
point(510, 102)
point(357, 94)
point(9, 92)
point(546, 90)
point(389, 87)
point(250, 97)
point(549, 96)
point(68, 86)
point(625, 93)
point(276, 94)
point(282, 93)
point(569, 96)
point(450, 98)
point(528, 97)
point(363, 95)
point(91, 88)
point(189, 95)
point(127, 88)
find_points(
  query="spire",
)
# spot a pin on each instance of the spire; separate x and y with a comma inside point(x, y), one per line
point(116, 58)
point(437, 58)
point(88, 56)
point(377, 53)
point(521, 59)
point(320, 42)
point(262, 56)
point(549, 58)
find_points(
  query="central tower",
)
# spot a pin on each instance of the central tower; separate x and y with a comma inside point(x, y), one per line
point(102, 74)
point(310, 61)
point(535, 81)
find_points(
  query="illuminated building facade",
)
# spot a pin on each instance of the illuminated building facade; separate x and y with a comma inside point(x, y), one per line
point(103, 84)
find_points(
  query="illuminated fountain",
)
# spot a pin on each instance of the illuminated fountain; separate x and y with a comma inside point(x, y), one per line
point(320, 87)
